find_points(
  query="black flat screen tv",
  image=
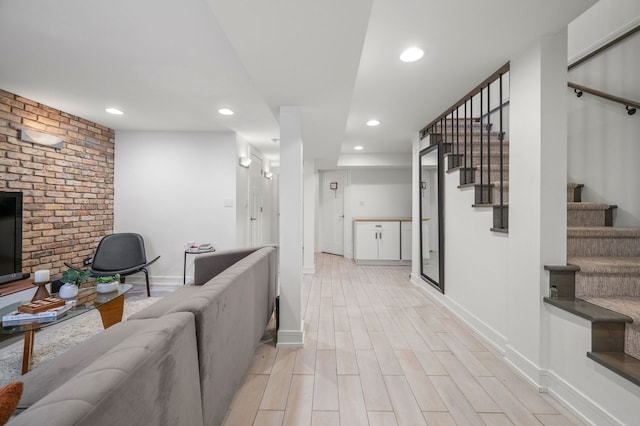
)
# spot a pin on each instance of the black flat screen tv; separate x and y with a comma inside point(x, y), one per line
point(10, 236)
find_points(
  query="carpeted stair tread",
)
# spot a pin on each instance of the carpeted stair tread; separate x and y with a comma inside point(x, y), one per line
point(603, 265)
point(589, 214)
point(603, 241)
point(587, 206)
point(602, 232)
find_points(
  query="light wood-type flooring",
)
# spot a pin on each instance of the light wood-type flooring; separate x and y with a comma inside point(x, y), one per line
point(378, 351)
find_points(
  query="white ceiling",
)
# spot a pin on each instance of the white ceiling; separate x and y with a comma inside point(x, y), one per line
point(171, 64)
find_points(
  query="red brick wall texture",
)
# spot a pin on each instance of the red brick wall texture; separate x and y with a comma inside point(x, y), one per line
point(67, 193)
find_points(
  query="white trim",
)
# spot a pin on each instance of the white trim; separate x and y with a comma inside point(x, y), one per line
point(604, 40)
point(528, 370)
point(291, 339)
point(491, 336)
point(382, 262)
point(577, 402)
point(156, 281)
point(309, 270)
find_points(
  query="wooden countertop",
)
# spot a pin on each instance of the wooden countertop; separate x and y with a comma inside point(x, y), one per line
point(384, 219)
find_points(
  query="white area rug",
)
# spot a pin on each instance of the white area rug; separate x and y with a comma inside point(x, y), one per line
point(55, 340)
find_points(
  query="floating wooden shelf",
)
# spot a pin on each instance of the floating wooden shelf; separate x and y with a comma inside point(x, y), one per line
point(16, 286)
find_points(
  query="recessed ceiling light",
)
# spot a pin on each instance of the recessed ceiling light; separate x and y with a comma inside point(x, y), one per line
point(114, 111)
point(412, 54)
point(358, 147)
point(373, 123)
point(225, 111)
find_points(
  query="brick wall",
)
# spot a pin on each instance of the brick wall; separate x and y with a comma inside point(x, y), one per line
point(67, 193)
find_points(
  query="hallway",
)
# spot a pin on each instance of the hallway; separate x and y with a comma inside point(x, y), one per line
point(378, 351)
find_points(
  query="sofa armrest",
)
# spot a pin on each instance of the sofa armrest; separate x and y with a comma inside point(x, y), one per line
point(207, 266)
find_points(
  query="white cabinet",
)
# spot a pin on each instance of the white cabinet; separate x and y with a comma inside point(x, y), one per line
point(366, 241)
point(405, 240)
point(377, 240)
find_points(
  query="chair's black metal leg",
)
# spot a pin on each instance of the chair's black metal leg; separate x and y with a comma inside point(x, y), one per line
point(146, 274)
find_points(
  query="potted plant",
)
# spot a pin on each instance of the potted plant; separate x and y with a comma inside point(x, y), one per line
point(108, 283)
point(72, 278)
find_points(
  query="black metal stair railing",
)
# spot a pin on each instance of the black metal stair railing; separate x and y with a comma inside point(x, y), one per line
point(468, 140)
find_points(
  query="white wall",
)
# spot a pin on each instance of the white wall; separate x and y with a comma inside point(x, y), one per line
point(309, 220)
point(269, 210)
point(380, 193)
point(603, 139)
point(537, 195)
point(171, 187)
point(475, 262)
point(242, 193)
point(601, 23)
point(269, 188)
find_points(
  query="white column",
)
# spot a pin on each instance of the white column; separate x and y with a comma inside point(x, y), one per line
point(291, 332)
point(537, 196)
point(416, 260)
point(309, 217)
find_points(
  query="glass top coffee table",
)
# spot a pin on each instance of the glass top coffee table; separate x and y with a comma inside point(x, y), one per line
point(110, 306)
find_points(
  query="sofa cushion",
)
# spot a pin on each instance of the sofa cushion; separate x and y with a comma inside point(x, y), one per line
point(148, 377)
point(54, 373)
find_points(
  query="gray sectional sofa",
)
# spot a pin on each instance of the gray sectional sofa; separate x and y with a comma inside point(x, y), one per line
point(176, 362)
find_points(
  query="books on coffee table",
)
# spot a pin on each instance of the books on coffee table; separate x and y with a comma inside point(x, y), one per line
point(18, 318)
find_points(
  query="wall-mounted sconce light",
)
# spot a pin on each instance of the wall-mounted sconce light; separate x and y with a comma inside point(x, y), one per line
point(245, 161)
point(41, 139)
point(268, 175)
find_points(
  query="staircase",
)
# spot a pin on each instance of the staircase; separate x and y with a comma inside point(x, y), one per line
point(609, 262)
point(479, 163)
point(601, 283)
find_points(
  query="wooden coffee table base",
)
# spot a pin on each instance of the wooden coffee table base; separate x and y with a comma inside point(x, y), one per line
point(111, 313)
point(27, 353)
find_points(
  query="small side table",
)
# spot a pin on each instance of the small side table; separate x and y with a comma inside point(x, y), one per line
point(191, 251)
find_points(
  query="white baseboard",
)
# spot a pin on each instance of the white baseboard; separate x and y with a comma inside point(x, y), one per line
point(291, 339)
point(155, 281)
point(577, 402)
point(491, 336)
point(527, 370)
point(309, 270)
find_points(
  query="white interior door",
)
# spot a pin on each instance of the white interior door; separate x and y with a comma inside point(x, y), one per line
point(332, 199)
point(255, 202)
